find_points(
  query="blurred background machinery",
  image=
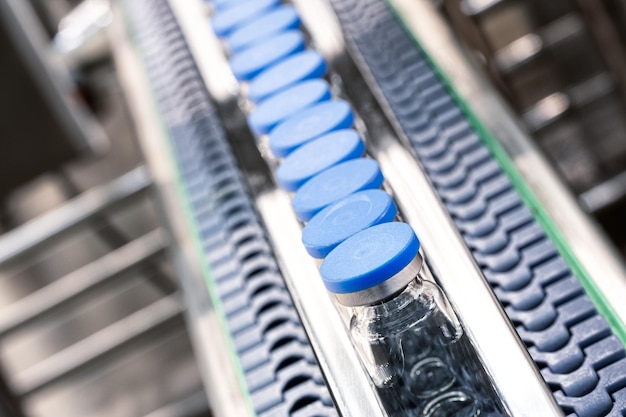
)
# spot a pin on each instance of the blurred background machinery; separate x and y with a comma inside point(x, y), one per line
point(91, 323)
point(562, 66)
point(91, 316)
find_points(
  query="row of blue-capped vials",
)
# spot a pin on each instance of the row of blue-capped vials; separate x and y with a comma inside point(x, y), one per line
point(321, 157)
point(403, 327)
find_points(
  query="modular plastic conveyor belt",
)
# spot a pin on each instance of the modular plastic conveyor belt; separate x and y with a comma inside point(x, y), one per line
point(580, 358)
point(277, 363)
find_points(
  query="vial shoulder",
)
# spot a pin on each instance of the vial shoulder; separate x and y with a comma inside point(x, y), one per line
point(422, 304)
point(393, 317)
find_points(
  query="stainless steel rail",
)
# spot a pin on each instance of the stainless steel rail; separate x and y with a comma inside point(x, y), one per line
point(195, 405)
point(605, 194)
point(504, 356)
point(347, 379)
point(49, 227)
point(477, 7)
point(210, 343)
point(589, 244)
point(83, 281)
point(132, 329)
point(530, 46)
point(52, 74)
point(556, 106)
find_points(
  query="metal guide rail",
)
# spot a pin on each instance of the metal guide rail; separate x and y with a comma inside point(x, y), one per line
point(579, 357)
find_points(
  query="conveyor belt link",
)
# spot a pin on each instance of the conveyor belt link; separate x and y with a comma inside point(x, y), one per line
point(277, 362)
point(582, 361)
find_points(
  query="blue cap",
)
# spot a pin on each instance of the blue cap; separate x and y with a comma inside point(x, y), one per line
point(225, 4)
point(369, 258)
point(334, 184)
point(299, 67)
point(317, 156)
point(274, 22)
point(348, 216)
point(310, 124)
point(251, 61)
point(229, 19)
point(277, 108)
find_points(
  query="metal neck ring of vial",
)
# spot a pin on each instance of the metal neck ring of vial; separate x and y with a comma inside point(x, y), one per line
point(385, 289)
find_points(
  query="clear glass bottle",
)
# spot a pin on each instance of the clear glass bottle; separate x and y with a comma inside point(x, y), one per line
point(403, 327)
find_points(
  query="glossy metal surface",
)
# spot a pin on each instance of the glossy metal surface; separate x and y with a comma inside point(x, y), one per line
point(347, 379)
point(588, 243)
point(530, 46)
point(547, 111)
point(557, 105)
point(52, 76)
point(210, 343)
point(82, 33)
point(476, 7)
point(206, 48)
point(83, 281)
point(195, 405)
point(385, 289)
point(604, 195)
point(51, 226)
point(132, 329)
point(505, 358)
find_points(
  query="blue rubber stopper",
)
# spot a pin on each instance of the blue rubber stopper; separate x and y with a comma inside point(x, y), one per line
point(226, 4)
point(369, 258)
point(275, 109)
point(252, 61)
point(230, 18)
point(346, 217)
point(299, 67)
point(334, 184)
point(274, 22)
point(310, 124)
point(317, 156)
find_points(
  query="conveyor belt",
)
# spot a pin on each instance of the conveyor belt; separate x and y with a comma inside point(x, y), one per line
point(276, 361)
point(580, 358)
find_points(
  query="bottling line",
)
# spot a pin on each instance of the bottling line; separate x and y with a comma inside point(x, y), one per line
point(538, 290)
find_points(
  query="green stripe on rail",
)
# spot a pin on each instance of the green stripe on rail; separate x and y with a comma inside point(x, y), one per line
point(525, 192)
